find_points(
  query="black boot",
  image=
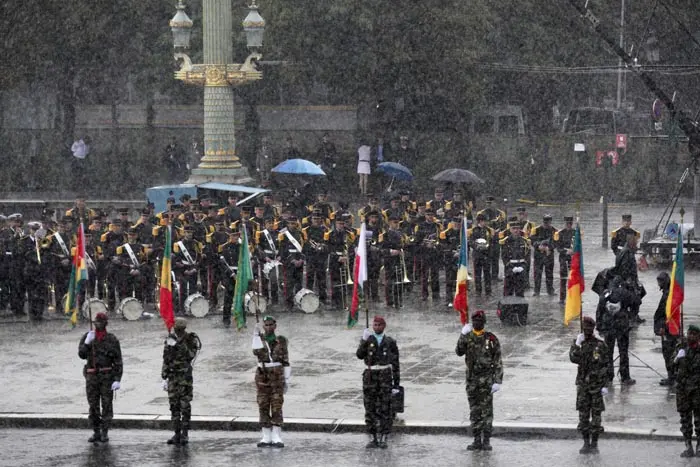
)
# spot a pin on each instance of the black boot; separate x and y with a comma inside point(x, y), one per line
point(105, 435)
point(382, 442)
point(486, 445)
point(184, 438)
point(688, 448)
point(96, 436)
point(476, 445)
point(594, 443)
point(586, 448)
point(373, 443)
point(175, 439)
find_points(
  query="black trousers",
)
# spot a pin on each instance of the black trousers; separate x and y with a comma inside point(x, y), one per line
point(514, 283)
point(622, 337)
point(316, 275)
point(668, 348)
point(430, 273)
point(564, 266)
point(482, 268)
point(292, 282)
point(544, 263)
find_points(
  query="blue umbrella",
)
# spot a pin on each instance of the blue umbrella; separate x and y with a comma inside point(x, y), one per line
point(298, 166)
point(396, 170)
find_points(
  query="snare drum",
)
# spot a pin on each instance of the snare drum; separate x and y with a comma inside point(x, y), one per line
point(197, 305)
point(307, 301)
point(131, 309)
point(272, 271)
point(94, 306)
point(255, 302)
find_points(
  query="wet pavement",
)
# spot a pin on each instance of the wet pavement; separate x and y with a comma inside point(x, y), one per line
point(51, 448)
point(41, 372)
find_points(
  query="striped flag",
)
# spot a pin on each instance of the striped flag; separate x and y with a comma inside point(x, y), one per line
point(359, 277)
point(461, 303)
point(244, 275)
point(166, 285)
point(576, 284)
point(674, 303)
point(78, 273)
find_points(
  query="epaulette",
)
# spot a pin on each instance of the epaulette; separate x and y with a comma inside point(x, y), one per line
point(469, 231)
point(120, 250)
point(443, 235)
point(502, 240)
point(331, 216)
point(448, 205)
point(155, 231)
point(556, 236)
point(176, 247)
point(352, 236)
point(103, 237)
point(280, 237)
point(221, 212)
point(502, 234)
point(381, 237)
point(221, 247)
point(69, 213)
point(326, 235)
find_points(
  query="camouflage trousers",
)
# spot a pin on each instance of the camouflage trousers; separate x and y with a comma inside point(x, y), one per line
point(688, 406)
point(376, 393)
point(480, 406)
point(180, 398)
point(590, 406)
point(98, 387)
point(270, 387)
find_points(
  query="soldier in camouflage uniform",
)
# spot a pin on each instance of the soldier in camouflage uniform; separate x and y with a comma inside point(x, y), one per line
point(687, 362)
point(272, 378)
point(380, 378)
point(180, 350)
point(591, 356)
point(103, 373)
point(482, 354)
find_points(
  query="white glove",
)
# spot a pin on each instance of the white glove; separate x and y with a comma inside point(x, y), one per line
point(366, 334)
point(287, 378)
point(604, 391)
point(680, 354)
point(495, 387)
point(518, 269)
point(286, 387)
point(164, 385)
point(257, 342)
point(467, 329)
point(90, 337)
point(395, 391)
point(116, 386)
point(579, 339)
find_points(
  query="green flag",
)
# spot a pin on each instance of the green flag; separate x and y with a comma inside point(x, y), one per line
point(245, 274)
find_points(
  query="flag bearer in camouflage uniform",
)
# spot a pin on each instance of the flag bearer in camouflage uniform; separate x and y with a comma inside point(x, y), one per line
point(103, 373)
point(380, 378)
point(482, 354)
point(688, 388)
point(272, 379)
point(591, 356)
point(179, 353)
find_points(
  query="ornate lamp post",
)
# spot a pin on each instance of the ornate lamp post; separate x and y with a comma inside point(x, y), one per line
point(218, 76)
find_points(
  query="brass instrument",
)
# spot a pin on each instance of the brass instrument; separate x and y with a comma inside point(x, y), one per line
point(52, 298)
point(405, 279)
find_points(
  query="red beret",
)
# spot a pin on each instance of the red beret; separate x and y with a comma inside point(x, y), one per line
point(101, 316)
point(479, 314)
point(379, 320)
point(589, 320)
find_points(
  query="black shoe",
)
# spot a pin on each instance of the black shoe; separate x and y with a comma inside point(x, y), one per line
point(381, 443)
point(95, 438)
point(476, 445)
point(688, 449)
point(665, 382)
point(372, 443)
point(594, 443)
point(184, 438)
point(550, 293)
point(535, 294)
point(105, 436)
point(639, 320)
point(486, 445)
point(175, 439)
point(628, 382)
point(586, 448)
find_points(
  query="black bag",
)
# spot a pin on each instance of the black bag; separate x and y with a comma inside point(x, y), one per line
point(397, 399)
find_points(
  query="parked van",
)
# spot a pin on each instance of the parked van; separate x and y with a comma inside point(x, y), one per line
point(594, 121)
point(504, 120)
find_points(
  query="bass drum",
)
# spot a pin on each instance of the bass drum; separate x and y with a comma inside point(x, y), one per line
point(197, 305)
point(131, 309)
point(94, 306)
point(255, 302)
point(272, 270)
point(307, 301)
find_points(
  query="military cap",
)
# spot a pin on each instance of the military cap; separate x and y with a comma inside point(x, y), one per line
point(317, 213)
point(345, 217)
point(145, 212)
point(123, 211)
point(117, 221)
point(479, 314)
point(15, 216)
point(405, 193)
point(180, 323)
point(268, 219)
point(269, 318)
point(101, 316)
point(396, 197)
point(185, 197)
point(48, 212)
point(233, 231)
point(34, 225)
point(220, 219)
point(267, 195)
point(170, 200)
point(694, 328)
point(373, 212)
point(588, 320)
point(457, 216)
point(245, 209)
point(292, 218)
point(521, 209)
point(394, 218)
point(204, 198)
point(232, 195)
point(627, 217)
point(480, 217)
point(412, 213)
point(458, 192)
point(132, 231)
point(439, 190)
point(489, 199)
point(429, 211)
point(176, 207)
point(547, 217)
point(81, 196)
point(372, 196)
point(194, 200)
point(568, 218)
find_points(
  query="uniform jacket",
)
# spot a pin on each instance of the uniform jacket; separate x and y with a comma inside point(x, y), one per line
point(482, 354)
point(102, 354)
point(592, 361)
point(386, 353)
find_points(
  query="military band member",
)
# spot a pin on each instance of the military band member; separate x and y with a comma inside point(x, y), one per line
point(132, 264)
point(526, 231)
point(458, 206)
point(33, 273)
point(244, 223)
point(187, 256)
point(619, 236)
point(179, 352)
point(372, 205)
point(93, 252)
point(103, 373)
point(266, 253)
point(6, 240)
point(392, 249)
point(496, 219)
point(438, 203)
point(272, 379)
point(258, 219)
point(291, 245)
point(405, 203)
point(394, 209)
point(316, 252)
point(480, 241)
point(270, 209)
point(340, 241)
point(80, 212)
point(16, 237)
point(124, 218)
point(427, 235)
point(343, 209)
point(564, 241)
point(57, 258)
point(482, 354)
point(543, 243)
point(231, 212)
point(515, 251)
point(322, 205)
point(381, 376)
point(228, 269)
point(449, 247)
point(591, 356)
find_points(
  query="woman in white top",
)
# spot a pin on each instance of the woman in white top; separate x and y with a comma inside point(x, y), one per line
point(363, 167)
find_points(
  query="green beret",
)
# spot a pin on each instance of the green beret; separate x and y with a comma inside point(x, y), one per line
point(694, 328)
point(269, 318)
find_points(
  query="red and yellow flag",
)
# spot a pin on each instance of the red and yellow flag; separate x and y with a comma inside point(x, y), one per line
point(166, 286)
point(674, 303)
point(461, 302)
point(78, 277)
point(576, 284)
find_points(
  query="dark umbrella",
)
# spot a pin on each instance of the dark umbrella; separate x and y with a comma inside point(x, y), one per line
point(457, 176)
point(395, 170)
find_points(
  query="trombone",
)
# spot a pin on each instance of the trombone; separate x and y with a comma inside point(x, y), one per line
point(345, 277)
point(401, 276)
